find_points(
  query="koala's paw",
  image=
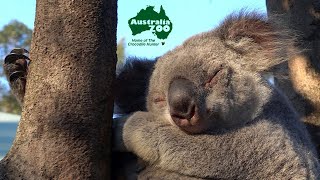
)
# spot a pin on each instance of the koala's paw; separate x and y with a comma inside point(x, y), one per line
point(16, 69)
point(16, 65)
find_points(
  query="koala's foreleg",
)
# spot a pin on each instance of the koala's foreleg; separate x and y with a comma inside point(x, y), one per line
point(138, 133)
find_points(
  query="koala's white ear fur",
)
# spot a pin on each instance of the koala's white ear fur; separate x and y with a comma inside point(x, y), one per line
point(252, 35)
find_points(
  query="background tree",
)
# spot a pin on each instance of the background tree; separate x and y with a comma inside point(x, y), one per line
point(303, 17)
point(64, 132)
point(14, 34)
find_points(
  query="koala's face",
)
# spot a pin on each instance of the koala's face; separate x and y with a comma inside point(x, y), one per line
point(199, 86)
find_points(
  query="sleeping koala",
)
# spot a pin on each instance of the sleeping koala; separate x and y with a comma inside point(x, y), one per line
point(211, 115)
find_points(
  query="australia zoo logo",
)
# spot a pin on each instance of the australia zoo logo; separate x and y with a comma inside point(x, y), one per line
point(157, 23)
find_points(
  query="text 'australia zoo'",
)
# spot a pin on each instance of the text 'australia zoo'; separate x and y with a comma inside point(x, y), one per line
point(150, 20)
point(158, 25)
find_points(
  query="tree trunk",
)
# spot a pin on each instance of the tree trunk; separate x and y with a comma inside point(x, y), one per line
point(303, 16)
point(65, 129)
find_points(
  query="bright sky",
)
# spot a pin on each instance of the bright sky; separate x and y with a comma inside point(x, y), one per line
point(188, 17)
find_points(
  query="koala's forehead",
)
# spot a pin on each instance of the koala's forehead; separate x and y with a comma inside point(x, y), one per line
point(195, 58)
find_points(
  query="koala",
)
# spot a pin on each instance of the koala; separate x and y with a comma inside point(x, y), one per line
point(211, 114)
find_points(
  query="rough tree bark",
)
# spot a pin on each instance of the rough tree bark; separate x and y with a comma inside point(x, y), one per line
point(64, 132)
point(303, 16)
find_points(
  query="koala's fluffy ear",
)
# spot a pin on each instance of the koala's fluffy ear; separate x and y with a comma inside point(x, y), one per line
point(264, 44)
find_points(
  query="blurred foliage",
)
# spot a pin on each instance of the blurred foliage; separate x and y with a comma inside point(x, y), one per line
point(121, 53)
point(9, 104)
point(15, 34)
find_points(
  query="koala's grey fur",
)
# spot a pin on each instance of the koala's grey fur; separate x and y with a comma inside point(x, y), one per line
point(18, 83)
point(131, 85)
point(242, 128)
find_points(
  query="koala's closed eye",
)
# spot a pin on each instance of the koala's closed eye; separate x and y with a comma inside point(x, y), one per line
point(213, 80)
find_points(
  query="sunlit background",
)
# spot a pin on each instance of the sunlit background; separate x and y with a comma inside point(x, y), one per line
point(188, 18)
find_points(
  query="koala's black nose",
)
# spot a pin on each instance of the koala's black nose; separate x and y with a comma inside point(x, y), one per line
point(181, 98)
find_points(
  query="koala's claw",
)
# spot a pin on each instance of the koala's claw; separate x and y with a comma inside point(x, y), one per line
point(17, 74)
point(19, 51)
point(15, 54)
point(16, 64)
